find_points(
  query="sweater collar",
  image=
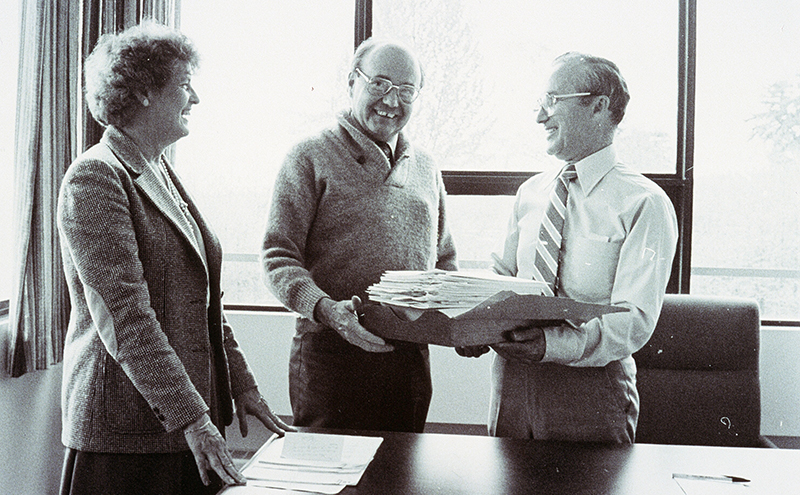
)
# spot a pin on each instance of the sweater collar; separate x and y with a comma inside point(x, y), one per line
point(400, 146)
point(394, 176)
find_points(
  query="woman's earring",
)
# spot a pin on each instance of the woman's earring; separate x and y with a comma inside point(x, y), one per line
point(146, 102)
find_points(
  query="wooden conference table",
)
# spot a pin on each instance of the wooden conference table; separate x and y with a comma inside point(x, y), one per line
point(440, 464)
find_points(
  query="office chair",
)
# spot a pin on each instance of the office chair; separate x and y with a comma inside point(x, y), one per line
point(698, 374)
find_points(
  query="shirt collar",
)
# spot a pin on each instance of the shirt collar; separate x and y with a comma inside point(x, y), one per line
point(393, 144)
point(594, 167)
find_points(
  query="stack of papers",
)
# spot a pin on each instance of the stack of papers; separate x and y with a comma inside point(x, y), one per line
point(439, 289)
point(311, 462)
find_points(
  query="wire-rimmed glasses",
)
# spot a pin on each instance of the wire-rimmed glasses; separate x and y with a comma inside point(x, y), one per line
point(380, 86)
point(548, 101)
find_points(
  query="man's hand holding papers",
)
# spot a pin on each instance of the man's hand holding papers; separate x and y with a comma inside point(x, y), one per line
point(527, 345)
point(342, 316)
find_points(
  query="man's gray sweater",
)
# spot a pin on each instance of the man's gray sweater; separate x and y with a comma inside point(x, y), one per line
point(341, 216)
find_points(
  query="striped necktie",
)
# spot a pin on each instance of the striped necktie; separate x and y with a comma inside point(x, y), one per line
point(549, 245)
point(387, 150)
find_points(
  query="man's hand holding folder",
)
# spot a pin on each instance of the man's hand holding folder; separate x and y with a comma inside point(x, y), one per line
point(525, 344)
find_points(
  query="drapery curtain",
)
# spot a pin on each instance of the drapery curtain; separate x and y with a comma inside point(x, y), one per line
point(44, 146)
point(51, 127)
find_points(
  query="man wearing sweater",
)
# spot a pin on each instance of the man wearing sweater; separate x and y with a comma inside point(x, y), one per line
point(350, 203)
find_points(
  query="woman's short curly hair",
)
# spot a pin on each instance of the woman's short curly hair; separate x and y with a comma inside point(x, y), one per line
point(123, 66)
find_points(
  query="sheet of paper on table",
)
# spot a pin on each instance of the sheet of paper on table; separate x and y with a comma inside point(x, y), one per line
point(311, 462)
point(706, 487)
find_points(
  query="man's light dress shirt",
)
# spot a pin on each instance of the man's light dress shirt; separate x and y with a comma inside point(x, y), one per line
point(619, 240)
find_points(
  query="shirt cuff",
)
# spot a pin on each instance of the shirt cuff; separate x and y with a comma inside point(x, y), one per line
point(563, 345)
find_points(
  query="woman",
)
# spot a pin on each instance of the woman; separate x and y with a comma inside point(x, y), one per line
point(150, 363)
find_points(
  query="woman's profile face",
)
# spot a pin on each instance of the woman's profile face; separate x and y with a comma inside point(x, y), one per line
point(169, 107)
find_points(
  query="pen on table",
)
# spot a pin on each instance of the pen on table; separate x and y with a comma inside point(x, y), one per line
point(725, 478)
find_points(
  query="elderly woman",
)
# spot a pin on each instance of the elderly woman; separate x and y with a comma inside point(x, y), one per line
point(151, 367)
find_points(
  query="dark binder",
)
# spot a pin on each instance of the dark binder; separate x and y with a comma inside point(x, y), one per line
point(486, 323)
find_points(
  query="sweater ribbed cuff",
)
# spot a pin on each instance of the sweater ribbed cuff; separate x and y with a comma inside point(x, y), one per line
point(306, 299)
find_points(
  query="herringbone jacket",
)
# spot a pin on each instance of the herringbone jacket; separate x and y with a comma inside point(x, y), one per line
point(147, 335)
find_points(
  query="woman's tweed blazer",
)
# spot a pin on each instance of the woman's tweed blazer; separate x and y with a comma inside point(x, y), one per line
point(147, 335)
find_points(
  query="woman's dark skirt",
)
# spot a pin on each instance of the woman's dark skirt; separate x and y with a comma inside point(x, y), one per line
point(91, 473)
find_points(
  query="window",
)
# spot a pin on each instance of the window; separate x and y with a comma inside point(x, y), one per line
point(485, 67)
point(266, 82)
point(746, 232)
point(271, 74)
point(9, 60)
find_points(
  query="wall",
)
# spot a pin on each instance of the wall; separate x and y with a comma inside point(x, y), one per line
point(30, 429)
point(461, 386)
point(780, 381)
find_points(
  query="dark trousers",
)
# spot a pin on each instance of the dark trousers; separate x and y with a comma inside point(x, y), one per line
point(90, 473)
point(334, 384)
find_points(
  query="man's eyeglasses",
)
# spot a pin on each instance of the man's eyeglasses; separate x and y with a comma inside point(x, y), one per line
point(380, 86)
point(548, 101)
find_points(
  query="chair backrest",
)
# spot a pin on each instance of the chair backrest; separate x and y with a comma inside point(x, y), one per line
point(698, 374)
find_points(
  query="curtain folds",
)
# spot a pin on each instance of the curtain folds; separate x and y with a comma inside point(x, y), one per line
point(51, 127)
point(44, 147)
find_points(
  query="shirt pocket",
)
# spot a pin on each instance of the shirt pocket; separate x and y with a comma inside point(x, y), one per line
point(588, 268)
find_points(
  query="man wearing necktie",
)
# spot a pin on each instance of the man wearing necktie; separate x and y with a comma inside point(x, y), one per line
point(352, 202)
point(594, 231)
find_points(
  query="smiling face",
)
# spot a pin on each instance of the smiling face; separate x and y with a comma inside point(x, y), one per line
point(169, 107)
point(383, 116)
point(575, 130)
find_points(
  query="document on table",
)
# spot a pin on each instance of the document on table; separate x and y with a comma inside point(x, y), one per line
point(710, 487)
point(311, 462)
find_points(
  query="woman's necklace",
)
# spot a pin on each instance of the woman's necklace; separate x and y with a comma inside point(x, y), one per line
point(171, 186)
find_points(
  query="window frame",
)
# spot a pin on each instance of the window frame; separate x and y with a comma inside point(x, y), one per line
point(678, 186)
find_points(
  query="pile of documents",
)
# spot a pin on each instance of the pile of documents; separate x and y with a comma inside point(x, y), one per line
point(459, 309)
point(439, 289)
point(311, 462)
